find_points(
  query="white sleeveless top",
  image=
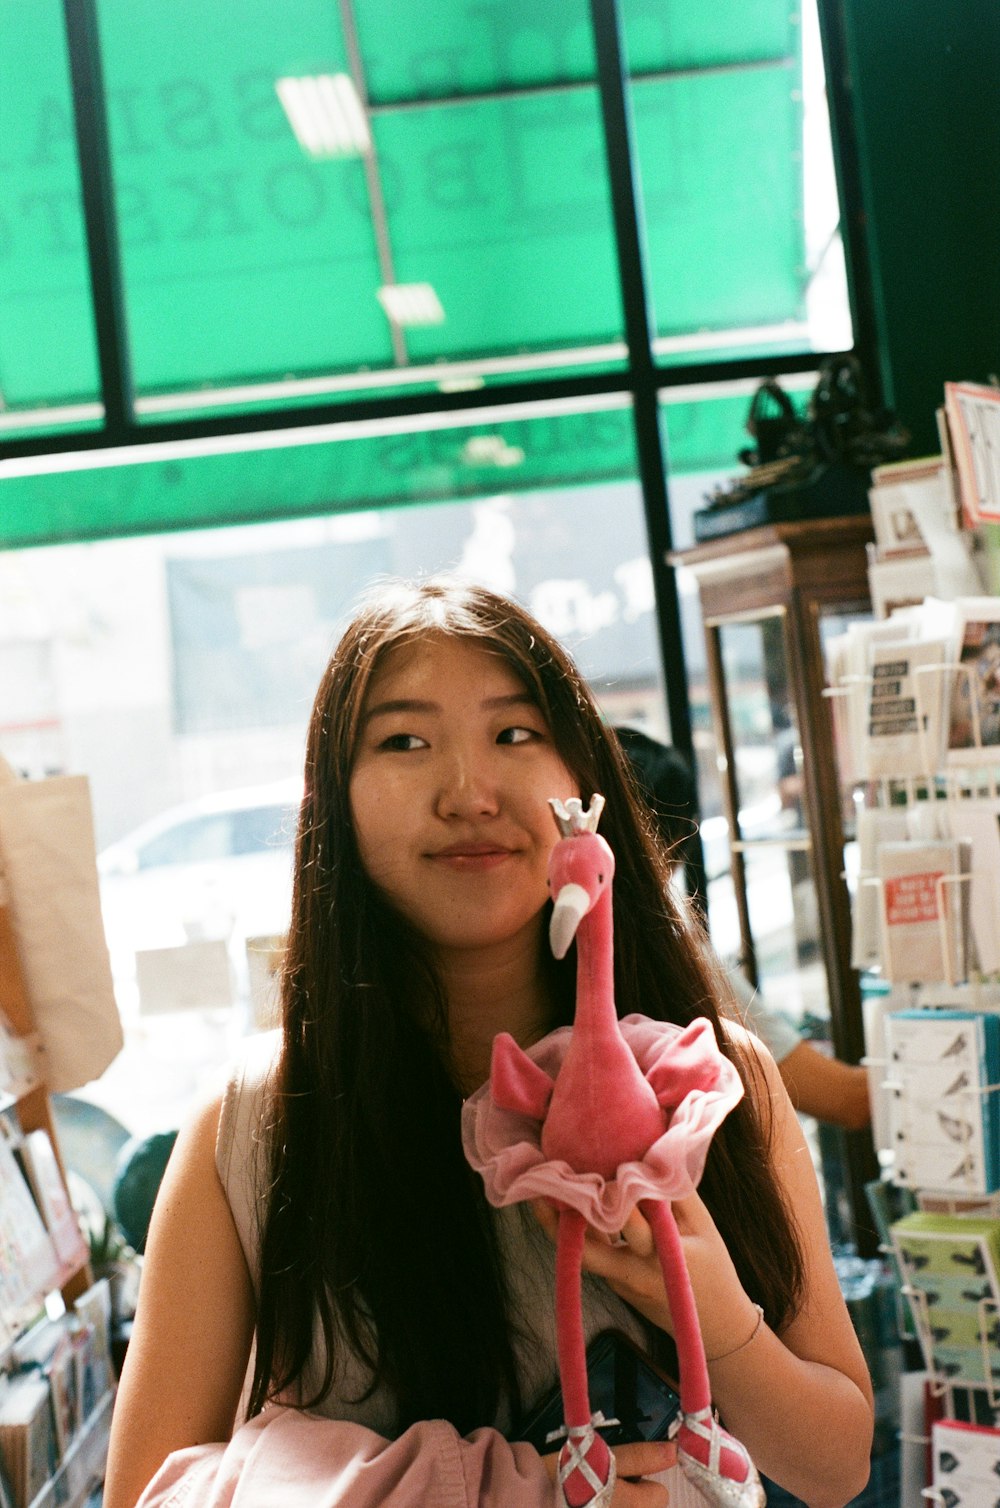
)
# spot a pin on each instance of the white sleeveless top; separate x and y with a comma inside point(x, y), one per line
point(528, 1254)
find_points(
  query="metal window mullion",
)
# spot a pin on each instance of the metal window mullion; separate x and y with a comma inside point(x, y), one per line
point(644, 377)
point(103, 255)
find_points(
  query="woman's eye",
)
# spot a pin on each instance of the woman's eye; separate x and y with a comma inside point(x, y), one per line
point(402, 743)
point(517, 735)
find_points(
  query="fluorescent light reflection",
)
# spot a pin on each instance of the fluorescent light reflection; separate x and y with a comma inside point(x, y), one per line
point(411, 304)
point(326, 115)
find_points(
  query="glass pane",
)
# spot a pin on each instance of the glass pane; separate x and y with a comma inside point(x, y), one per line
point(713, 825)
point(739, 193)
point(445, 228)
point(703, 433)
point(766, 744)
point(704, 436)
point(709, 182)
point(670, 34)
point(455, 47)
point(179, 673)
point(241, 255)
point(784, 924)
point(47, 352)
point(833, 623)
point(705, 429)
point(505, 211)
point(280, 476)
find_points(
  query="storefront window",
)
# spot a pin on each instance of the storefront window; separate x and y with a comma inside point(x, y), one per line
point(182, 669)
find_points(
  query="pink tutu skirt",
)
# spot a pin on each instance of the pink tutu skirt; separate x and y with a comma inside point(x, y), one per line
point(505, 1147)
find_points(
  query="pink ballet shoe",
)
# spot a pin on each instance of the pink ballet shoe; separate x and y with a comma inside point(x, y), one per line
point(587, 1471)
point(717, 1464)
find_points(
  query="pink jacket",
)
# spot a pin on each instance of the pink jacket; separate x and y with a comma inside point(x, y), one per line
point(288, 1459)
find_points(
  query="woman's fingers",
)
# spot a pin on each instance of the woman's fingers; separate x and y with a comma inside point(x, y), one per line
point(637, 1235)
point(691, 1214)
point(629, 1265)
point(640, 1495)
point(636, 1463)
point(646, 1458)
point(546, 1217)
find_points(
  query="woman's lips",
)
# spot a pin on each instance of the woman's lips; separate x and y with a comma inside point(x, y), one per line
point(472, 856)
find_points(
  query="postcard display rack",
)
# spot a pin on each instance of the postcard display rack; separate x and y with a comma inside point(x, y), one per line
point(917, 719)
point(56, 1378)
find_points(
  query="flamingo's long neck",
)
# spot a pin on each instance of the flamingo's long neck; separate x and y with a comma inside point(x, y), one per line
point(595, 1025)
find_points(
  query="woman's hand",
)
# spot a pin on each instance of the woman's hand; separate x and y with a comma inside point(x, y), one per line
point(635, 1463)
point(631, 1267)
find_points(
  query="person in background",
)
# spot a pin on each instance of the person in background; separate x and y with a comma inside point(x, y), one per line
point(319, 1220)
point(817, 1084)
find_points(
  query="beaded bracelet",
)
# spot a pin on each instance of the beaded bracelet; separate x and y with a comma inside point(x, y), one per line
point(743, 1343)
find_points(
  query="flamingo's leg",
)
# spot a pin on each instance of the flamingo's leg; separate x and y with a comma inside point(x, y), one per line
point(709, 1456)
point(586, 1465)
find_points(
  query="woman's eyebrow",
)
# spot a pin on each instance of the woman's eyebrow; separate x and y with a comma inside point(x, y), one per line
point(395, 705)
point(513, 699)
point(399, 704)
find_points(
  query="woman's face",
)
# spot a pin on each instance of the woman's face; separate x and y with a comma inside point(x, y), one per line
point(449, 791)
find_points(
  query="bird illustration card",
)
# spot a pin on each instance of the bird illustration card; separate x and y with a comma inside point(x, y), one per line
point(966, 1463)
point(944, 1106)
point(951, 1271)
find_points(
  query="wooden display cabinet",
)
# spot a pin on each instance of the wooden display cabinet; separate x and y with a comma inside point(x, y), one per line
point(770, 597)
point(83, 1464)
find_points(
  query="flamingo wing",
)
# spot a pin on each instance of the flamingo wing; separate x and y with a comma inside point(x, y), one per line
point(516, 1081)
point(690, 1061)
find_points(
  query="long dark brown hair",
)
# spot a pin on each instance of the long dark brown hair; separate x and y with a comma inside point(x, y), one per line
point(375, 1234)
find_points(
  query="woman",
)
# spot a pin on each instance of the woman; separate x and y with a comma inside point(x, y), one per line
point(323, 1212)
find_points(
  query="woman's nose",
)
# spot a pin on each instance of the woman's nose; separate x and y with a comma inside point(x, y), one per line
point(467, 788)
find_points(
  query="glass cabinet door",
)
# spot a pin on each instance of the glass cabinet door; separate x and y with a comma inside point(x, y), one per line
point(772, 598)
point(773, 926)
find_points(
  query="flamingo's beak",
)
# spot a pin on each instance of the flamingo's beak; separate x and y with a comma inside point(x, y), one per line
point(571, 906)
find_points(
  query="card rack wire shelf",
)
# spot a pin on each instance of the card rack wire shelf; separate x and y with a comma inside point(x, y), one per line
point(946, 783)
point(81, 1468)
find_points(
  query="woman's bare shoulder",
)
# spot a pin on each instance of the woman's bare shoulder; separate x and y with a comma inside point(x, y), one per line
point(190, 1343)
point(748, 1045)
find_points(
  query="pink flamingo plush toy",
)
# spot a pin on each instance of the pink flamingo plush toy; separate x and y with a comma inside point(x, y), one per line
point(600, 1118)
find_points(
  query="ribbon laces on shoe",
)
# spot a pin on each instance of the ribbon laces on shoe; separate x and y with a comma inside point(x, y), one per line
point(573, 1458)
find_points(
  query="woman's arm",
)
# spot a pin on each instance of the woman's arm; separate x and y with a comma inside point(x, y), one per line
point(190, 1343)
point(826, 1088)
point(800, 1402)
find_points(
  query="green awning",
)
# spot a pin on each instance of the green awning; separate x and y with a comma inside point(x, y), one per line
point(373, 465)
point(252, 269)
point(247, 260)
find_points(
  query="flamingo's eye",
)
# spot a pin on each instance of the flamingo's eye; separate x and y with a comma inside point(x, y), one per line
point(600, 879)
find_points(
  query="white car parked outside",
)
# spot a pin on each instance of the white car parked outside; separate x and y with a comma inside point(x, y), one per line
point(215, 869)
